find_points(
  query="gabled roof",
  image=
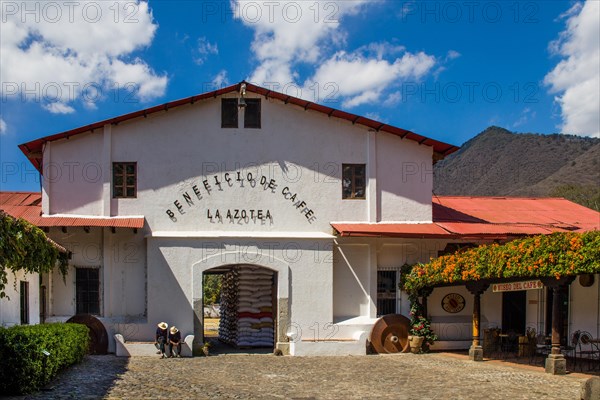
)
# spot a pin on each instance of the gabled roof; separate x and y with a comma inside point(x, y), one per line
point(33, 149)
point(458, 217)
point(28, 205)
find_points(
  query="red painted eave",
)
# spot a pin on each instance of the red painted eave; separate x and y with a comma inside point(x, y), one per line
point(392, 230)
point(109, 222)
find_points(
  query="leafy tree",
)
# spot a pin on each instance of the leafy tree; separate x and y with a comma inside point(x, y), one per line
point(25, 247)
point(211, 287)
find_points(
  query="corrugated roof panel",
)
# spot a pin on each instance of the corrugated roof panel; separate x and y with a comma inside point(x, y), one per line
point(461, 228)
point(27, 205)
point(507, 210)
point(396, 230)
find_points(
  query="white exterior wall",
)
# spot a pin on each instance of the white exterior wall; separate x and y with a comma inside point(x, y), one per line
point(74, 166)
point(10, 306)
point(184, 146)
point(175, 267)
point(121, 258)
point(584, 307)
point(185, 150)
point(405, 170)
point(156, 273)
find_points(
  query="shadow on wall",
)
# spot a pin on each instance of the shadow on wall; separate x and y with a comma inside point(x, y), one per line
point(167, 300)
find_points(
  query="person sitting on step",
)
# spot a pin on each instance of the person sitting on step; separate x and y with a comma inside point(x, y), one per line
point(160, 339)
point(174, 340)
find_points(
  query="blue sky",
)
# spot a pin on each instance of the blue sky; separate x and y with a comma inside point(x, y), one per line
point(443, 69)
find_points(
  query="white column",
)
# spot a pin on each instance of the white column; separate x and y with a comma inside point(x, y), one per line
point(373, 279)
point(107, 271)
point(372, 176)
point(47, 160)
point(106, 170)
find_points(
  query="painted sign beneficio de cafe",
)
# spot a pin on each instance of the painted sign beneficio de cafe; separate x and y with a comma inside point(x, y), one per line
point(241, 215)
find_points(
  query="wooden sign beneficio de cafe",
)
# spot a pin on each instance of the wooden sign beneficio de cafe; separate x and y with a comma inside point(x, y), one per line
point(514, 286)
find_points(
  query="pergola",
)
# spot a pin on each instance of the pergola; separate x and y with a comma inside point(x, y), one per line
point(554, 259)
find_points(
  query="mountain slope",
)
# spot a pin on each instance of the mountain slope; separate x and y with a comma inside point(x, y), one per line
point(498, 162)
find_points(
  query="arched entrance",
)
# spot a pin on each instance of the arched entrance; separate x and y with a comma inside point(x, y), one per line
point(257, 302)
point(247, 308)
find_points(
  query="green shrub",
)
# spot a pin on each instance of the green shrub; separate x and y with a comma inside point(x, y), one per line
point(24, 366)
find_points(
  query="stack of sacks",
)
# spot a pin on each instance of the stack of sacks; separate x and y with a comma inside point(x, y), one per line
point(255, 307)
point(229, 308)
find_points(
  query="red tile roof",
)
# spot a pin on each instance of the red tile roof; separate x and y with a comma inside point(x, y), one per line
point(453, 217)
point(33, 149)
point(487, 217)
point(28, 205)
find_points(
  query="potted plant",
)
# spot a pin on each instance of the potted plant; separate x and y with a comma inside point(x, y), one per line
point(421, 336)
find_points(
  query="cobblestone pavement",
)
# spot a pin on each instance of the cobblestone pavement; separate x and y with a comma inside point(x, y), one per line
point(239, 376)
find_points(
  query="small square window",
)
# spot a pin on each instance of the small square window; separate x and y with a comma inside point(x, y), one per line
point(353, 181)
point(252, 114)
point(124, 180)
point(229, 113)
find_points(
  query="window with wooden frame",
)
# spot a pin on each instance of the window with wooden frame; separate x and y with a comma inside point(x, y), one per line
point(353, 181)
point(124, 180)
point(87, 290)
point(229, 113)
point(252, 114)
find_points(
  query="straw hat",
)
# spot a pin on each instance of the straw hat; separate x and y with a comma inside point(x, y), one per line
point(174, 330)
point(163, 325)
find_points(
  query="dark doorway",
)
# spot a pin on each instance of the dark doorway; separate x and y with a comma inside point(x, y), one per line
point(513, 311)
point(386, 292)
point(563, 311)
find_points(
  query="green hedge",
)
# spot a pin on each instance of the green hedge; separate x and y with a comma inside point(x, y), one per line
point(25, 368)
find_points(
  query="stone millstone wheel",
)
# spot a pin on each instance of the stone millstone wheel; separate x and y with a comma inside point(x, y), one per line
point(98, 335)
point(390, 334)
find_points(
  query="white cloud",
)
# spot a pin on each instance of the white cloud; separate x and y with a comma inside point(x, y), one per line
point(59, 108)
point(361, 80)
point(392, 99)
point(452, 54)
point(374, 116)
point(575, 79)
point(293, 36)
point(220, 80)
point(75, 46)
point(290, 32)
point(526, 115)
point(205, 49)
point(3, 127)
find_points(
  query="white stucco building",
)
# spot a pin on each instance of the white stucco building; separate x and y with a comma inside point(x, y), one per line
point(332, 203)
